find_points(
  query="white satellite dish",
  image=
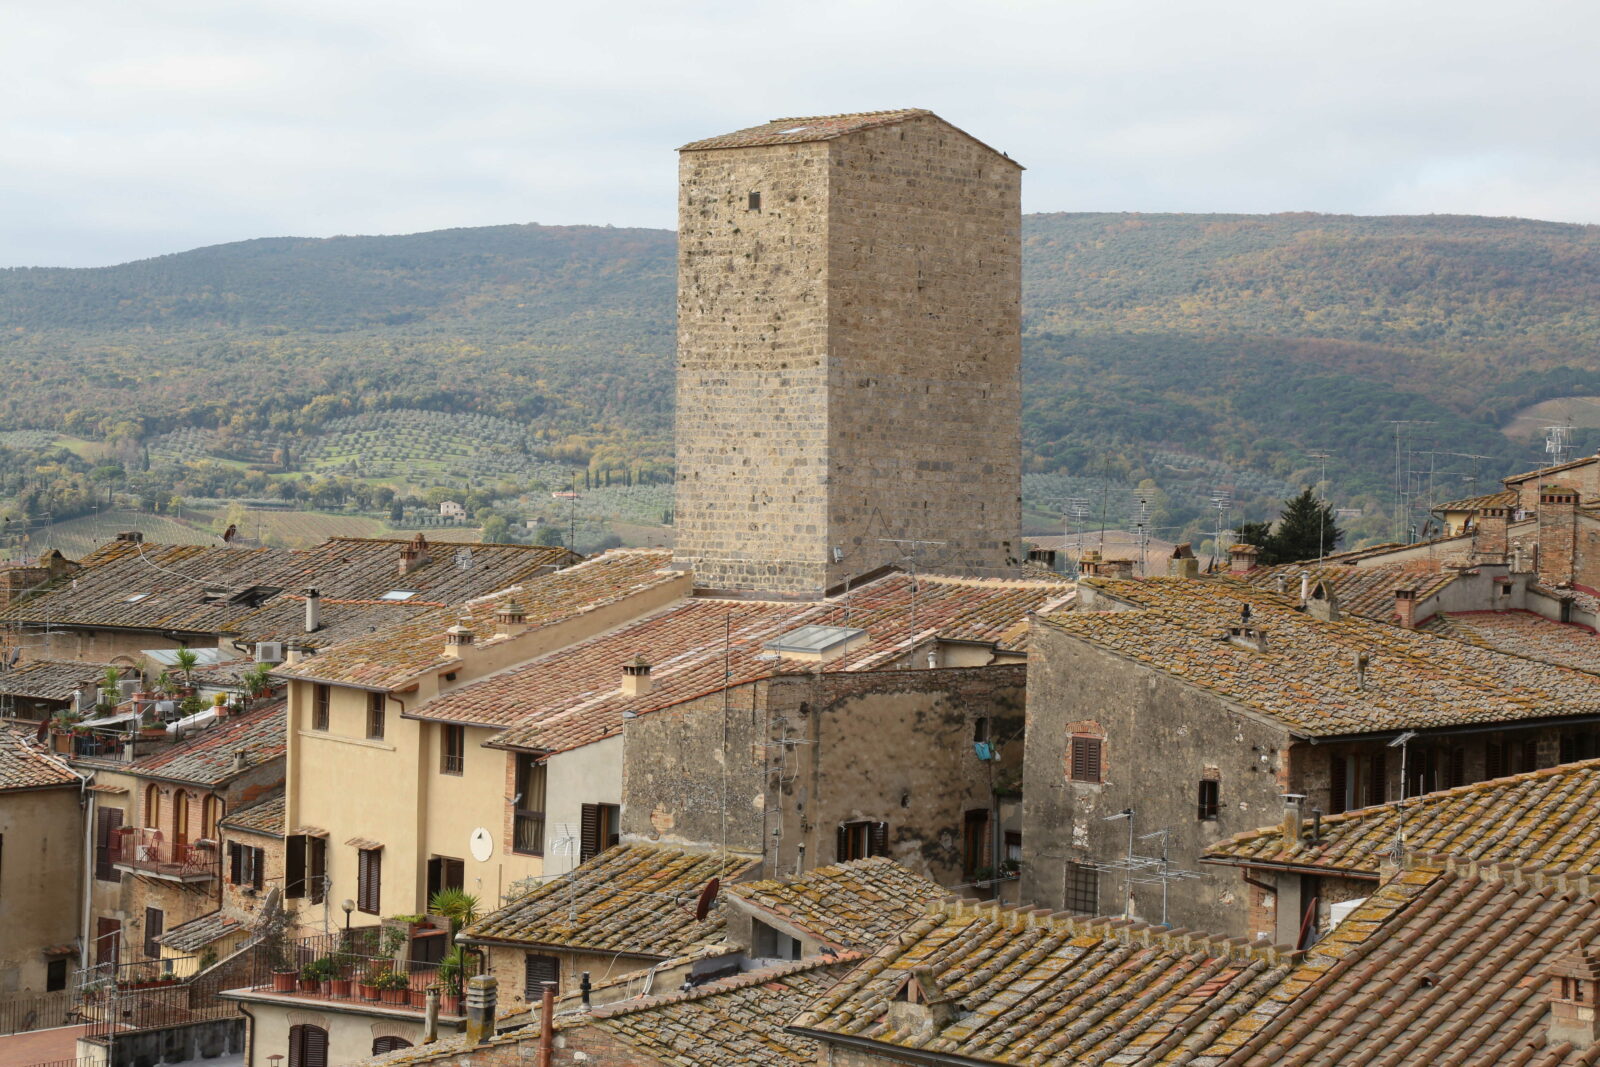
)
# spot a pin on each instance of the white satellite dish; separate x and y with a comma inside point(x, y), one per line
point(481, 844)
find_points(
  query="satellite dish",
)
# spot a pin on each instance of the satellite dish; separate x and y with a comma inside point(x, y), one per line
point(481, 844)
point(703, 907)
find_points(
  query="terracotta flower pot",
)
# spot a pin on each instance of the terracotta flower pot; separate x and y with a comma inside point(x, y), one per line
point(419, 998)
point(450, 1003)
point(283, 981)
point(397, 996)
point(306, 985)
point(368, 992)
point(339, 987)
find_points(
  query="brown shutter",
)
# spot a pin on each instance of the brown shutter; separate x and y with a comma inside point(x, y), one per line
point(1338, 785)
point(1494, 760)
point(369, 877)
point(233, 864)
point(841, 845)
point(589, 846)
point(1530, 757)
point(1377, 777)
point(879, 839)
point(537, 970)
point(154, 927)
point(294, 866)
point(1086, 759)
point(308, 1046)
point(317, 876)
point(1569, 748)
point(1458, 766)
point(107, 822)
point(258, 867)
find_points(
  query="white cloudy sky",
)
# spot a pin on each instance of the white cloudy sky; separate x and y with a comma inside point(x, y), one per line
point(130, 128)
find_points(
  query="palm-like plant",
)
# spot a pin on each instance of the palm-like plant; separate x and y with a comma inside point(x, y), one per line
point(457, 905)
point(186, 659)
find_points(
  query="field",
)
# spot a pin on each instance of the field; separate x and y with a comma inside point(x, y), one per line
point(78, 537)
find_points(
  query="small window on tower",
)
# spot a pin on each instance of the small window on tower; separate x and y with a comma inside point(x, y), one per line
point(755, 201)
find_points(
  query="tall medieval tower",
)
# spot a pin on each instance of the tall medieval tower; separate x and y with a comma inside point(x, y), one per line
point(849, 353)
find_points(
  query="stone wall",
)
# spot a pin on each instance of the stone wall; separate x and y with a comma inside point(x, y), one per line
point(848, 358)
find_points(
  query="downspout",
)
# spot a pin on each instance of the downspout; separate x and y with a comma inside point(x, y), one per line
point(249, 1036)
point(86, 802)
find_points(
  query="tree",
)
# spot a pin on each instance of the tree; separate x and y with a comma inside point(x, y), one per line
point(1254, 533)
point(1305, 530)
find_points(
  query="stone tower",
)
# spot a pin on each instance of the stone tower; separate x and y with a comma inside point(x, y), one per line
point(849, 352)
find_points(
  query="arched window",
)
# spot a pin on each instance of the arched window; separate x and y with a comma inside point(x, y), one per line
point(389, 1044)
point(152, 806)
point(308, 1046)
point(180, 819)
point(210, 813)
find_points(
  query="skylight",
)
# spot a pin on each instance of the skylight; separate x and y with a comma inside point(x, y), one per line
point(135, 598)
point(793, 129)
point(399, 594)
point(815, 640)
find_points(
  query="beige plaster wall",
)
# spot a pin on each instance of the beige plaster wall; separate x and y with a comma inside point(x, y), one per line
point(41, 883)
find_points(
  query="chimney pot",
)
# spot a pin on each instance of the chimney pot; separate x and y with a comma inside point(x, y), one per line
point(482, 997)
point(1292, 817)
point(636, 680)
point(1242, 558)
point(1574, 987)
point(456, 639)
point(511, 618)
point(313, 610)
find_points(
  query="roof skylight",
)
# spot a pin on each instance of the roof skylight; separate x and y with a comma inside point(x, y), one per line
point(399, 594)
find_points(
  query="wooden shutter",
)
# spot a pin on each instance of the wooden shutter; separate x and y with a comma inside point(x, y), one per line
point(389, 1044)
point(317, 875)
point(589, 846)
point(878, 839)
point(537, 970)
point(1458, 766)
point(294, 866)
point(1338, 785)
point(369, 877)
point(1494, 760)
point(1377, 777)
point(107, 822)
point(841, 845)
point(1569, 748)
point(107, 935)
point(258, 868)
point(1530, 757)
point(1086, 759)
point(234, 865)
point(154, 927)
point(308, 1046)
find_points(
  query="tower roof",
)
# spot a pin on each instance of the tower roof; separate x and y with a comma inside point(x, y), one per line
point(818, 128)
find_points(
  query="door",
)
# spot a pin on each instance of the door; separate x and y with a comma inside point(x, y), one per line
point(107, 941)
point(180, 826)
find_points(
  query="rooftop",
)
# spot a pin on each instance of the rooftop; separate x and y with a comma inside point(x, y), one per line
point(395, 655)
point(1364, 591)
point(573, 697)
point(1505, 498)
point(23, 766)
point(858, 903)
point(1524, 634)
point(1542, 818)
point(208, 757)
point(196, 934)
point(632, 898)
point(800, 130)
point(265, 816)
point(44, 679)
point(1306, 678)
point(1047, 990)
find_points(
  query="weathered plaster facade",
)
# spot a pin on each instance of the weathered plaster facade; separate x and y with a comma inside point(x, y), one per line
point(849, 357)
point(41, 880)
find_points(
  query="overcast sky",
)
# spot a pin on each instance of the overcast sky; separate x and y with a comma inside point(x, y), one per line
point(132, 128)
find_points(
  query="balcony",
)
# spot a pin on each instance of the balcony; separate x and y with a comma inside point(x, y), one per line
point(147, 853)
point(347, 972)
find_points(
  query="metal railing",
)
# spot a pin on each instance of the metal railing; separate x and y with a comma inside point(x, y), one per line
point(336, 966)
point(147, 850)
point(452, 764)
point(528, 832)
point(38, 1011)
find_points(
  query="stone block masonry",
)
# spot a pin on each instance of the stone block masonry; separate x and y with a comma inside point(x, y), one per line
point(849, 358)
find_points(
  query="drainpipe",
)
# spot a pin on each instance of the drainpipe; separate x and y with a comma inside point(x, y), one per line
point(86, 802)
point(547, 1028)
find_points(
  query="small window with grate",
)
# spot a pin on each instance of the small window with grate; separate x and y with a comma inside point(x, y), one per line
point(755, 201)
point(536, 971)
point(1083, 889)
point(1210, 798)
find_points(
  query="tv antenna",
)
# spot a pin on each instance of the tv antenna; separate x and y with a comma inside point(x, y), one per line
point(1558, 443)
point(916, 544)
point(1221, 503)
point(1139, 869)
point(1141, 523)
point(1078, 512)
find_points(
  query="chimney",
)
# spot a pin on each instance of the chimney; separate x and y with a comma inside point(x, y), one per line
point(481, 1008)
point(313, 610)
point(547, 1024)
point(1361, 670)
point(1242, 559)
point(1292, 821)
point(413, 555)
point(922, 1006)
point(131, 536)
point(456, 641)
point(430, 1016)
point(1323, 603)
point(1246, 636)
point(510, 618)
point(292, 654)
point(1182, 563)
point(1089, 562)
point(1490, 533)
point(241, 760)
point(1305, 586)
point(636, 678)
point(1574, 985)
point(1405, 607)
point(1557, 519)
point(1281, 580)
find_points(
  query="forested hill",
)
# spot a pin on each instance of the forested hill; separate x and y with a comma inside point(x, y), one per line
point(1246, 339)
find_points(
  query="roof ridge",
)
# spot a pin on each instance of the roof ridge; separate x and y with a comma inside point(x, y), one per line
point(734, 983)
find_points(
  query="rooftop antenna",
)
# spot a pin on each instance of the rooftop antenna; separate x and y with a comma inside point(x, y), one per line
point(1141, 525)
point(1400, 507)
point(1221, 503)
point(1077, 513)
point(1403, 743)
point(1558, 443)
point(1137, 869)
point(1321, 455)
point(916, 547)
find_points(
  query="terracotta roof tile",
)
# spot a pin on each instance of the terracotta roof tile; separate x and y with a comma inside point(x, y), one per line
point(1505, 498)
point(1523, 633)
point(801, 130)
point(207, 757)
point(396, 655)
point(1306, 679)
point(631, 898)
point(852, 904)
point(196, 934)
point(43, 679)
point(1364, 591)
point(573, 697)
point(23, 766)
point(1543, 818)
point(265, 816)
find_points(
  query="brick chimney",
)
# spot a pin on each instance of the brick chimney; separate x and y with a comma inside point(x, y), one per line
point(413, 555)
point(1574, 987)
point(1405, 607)
point(456, 640)
point(1557, 517)
point(1117, 568)
point(1182, 563)
point(1242, 559)
point(636, 678)
point(510, 618)
point(1490, 534)
point(1089, 562)
point(1323, 603)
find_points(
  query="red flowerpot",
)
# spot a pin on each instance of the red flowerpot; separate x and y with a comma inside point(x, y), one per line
point(340, 987)
point(283, 981)
point(368, 992)
point(307, 985)
point(397, 996)
point(419, 998)
point(450, 1003)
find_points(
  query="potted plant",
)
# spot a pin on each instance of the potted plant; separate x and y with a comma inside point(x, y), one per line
point(273, 941)
point(186, 660)
point(394, 987)
point(368, 986)
point(310, 977)
point(339, 983)
point(449, 975)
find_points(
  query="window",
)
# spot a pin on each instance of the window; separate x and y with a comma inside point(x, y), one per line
point(858, 840)
point(770, 944)
point(1357, 781)
point(980, 729)
point(528, 807)
point(1210, 798)
point(1083, 889)
point(108, 941)
point(1013, 847)
point(154, 927)
point(210, 809)
point(445, 873)
point(974, 842)
point(369, 879)
point(1494, 760)
point(1579, 746)
point(180, 822)
point(305, 867)
point(1455, 767)
point(321, 698)
point(1527, 757)
point(375, 708)
point(452, 749)
point(755, 202)
point(397, 595)
point(536, 971)
point(600, 829)
point(1084, 758)
point(108, 826)
point(55, 975)
point(388, 1044)
point(308, 1046)
point(1377, 777)
point(245, 865)
point(152, 806)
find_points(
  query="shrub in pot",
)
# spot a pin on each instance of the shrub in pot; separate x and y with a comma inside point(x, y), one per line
point(394, 987)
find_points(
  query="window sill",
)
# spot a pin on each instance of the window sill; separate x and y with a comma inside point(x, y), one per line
point(362, 742)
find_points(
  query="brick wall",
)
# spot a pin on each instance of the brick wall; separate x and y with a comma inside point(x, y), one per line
point(1558, 531)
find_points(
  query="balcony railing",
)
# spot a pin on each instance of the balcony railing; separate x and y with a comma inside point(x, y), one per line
point(451, 764)
point(348, 967)
point(528, 832)
point(144, 851)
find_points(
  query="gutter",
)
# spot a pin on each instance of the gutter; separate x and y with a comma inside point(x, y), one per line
point(491, 942)
point(1450, 731)
point(1292, 868)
